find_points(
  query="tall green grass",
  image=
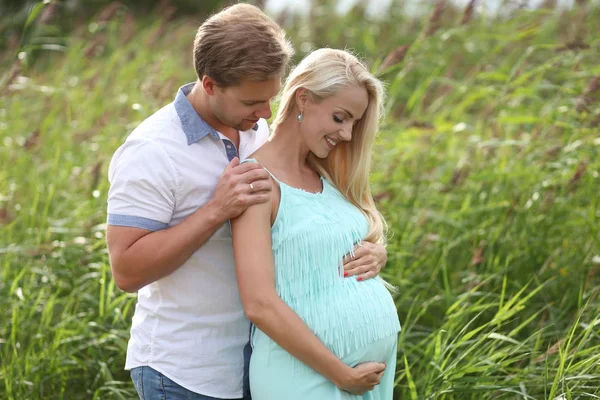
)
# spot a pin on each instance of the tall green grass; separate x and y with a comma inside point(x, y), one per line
point(487, 170)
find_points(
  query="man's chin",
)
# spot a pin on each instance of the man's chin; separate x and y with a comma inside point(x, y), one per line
point(247, 125)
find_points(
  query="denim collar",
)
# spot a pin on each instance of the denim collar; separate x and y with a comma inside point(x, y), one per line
point(194, 127)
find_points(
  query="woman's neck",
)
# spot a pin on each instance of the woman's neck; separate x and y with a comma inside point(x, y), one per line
point(288, 145)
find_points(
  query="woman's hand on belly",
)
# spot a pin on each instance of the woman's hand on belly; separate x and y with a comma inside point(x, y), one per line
point(367, 261)
point(362, 378)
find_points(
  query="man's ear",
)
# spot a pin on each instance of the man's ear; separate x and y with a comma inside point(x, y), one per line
point(209, 85)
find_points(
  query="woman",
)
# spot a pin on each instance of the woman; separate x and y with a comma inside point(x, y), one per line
point(312, 326)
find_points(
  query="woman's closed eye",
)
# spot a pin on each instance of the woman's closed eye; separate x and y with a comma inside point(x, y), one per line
point(338, 119)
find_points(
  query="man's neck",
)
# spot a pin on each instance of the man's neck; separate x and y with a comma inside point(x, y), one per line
point(199, 101)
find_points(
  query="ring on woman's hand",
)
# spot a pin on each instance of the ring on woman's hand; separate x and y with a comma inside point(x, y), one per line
point(252, 187)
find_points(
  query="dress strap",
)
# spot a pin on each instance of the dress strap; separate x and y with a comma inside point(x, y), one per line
point(255, 161)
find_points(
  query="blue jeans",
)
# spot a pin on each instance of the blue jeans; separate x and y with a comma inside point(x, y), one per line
point(246, 377)
point(152, 385)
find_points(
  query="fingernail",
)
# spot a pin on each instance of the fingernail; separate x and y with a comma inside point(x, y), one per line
point(345, 274)
point(360, 278)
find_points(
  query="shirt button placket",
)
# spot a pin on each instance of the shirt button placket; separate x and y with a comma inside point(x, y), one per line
point(230, 150)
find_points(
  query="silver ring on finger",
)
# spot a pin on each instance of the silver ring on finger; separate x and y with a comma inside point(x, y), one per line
point(252, 187)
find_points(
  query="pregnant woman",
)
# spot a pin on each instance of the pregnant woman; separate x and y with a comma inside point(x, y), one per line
point(316, 334)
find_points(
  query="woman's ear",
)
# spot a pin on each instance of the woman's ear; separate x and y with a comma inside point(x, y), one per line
point(302, 97)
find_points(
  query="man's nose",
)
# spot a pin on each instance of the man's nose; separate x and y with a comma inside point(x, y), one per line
point(265, 112)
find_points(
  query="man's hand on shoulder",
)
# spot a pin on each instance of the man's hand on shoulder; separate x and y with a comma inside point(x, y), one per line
point(240, 186)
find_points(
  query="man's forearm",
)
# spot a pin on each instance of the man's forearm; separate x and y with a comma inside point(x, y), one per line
point(159, 253)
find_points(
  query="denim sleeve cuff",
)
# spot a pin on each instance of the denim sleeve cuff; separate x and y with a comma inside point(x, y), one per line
point(136, 222)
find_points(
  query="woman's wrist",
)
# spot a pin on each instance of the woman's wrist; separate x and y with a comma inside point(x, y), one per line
point(342, 376)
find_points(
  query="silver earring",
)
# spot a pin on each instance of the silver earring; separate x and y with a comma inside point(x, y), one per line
point(300, 117)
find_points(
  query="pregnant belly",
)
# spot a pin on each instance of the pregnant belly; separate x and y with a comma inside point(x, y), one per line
point(349, 315)
point(382, 350)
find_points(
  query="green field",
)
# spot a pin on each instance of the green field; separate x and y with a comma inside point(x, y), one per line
point(487, 171)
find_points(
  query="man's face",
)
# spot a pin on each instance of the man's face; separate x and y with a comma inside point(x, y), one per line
point(241, 106)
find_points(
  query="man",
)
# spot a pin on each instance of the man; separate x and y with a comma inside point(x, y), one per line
point(175, 184)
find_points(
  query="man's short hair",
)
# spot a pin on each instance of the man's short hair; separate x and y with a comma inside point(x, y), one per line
point(241, 43)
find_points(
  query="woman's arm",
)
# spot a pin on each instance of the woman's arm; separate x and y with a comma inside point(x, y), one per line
point(263, 306)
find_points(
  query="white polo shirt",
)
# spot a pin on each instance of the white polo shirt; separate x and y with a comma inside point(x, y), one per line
point(189, 325)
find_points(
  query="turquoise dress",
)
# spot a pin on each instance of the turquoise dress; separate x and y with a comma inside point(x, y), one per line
point(356, 320)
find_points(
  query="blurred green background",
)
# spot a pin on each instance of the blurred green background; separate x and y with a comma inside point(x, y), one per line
point(486, 168)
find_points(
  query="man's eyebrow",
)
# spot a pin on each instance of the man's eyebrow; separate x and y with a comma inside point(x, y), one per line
point(255, 101)
point(347, 112)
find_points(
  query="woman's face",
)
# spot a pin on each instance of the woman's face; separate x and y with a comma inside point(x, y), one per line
point(329, 122)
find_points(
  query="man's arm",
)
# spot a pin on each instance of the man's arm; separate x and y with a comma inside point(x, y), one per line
point(139, 256)
point(263, 306)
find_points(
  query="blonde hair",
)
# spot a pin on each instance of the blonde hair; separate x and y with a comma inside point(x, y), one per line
point(241, 43)
point(324, 73)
